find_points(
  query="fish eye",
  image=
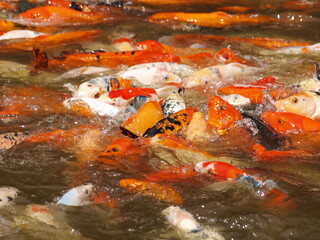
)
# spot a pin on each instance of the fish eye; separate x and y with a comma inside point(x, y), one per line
point(115, 149)
point(222, 108)
point(295, 100)
point(86, 191)
point(280, 120)
point(0, 199)
point(10, 199)
point(97, 95)
point(166, 77)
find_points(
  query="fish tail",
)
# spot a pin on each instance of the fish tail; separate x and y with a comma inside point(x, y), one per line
point(40, 61)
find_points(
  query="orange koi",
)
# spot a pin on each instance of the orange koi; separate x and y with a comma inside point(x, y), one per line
point(290, 123)
point(300, 5)
point(67, 61)
point(235, 9)
point(213, 19)
point(208, 40)
point(161, 192)
point(172, 124)
point(7, 6)
point(152, 45)
point(51, 41)
point(173, 174)
point(53, 16)
point(262, 154)
point(253, 92)
point(221, 114)
point(82, 7)
point(105, 199)
point(177, 2)
point(121, 147)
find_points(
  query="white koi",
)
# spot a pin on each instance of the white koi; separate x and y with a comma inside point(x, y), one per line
point(15, 34)
point(218, 73)
point(187, 225)
point(77, 196)
point(86, 70)
point(8, 195)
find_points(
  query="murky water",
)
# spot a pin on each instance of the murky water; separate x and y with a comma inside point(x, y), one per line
point(42, 172)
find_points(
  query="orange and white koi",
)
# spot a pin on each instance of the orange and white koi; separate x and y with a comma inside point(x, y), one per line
point(14, 34)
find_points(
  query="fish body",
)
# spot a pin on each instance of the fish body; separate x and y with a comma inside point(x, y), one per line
point(314, 83)
point(92, 105)
point(179, 69)
point(290, 123)
point(77, 72)
point(77, 196)
point(305, 103)
point(52, 16)
point(14, 34)
point(158, 191)
point(217, 74)
point(67, 60)
point(236, 100)
point(188, 226)
point(221, 114)
point(150, 76)
point(214, 19)
point(8, 195)
point(10, 139)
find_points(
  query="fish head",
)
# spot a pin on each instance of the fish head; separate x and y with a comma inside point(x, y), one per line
point(77, 196)
point(281, 122)
point(299, 104)
point(8, 195)
point(221, 114)
point(88, 89)
point(236, 99)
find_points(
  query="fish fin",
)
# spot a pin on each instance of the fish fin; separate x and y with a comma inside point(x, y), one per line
point(317, 73)
point(40, 61)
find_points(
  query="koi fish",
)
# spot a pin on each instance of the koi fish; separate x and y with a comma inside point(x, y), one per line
point(288, 123)
point(158, 191)
point(173, 103)
point(208, 40)
point(67, 61)
point(171, 124)
point(197, 129)
point(217, 74)
point(53, 16)
point(14, 34)
point(41, 213)
point(187, 225)
point(77, 196)
point(10, 139)
point(150, 75)
point(182, 70)
point(221, 114)
point(314, 83)
point(253, 93)
point(95, 87)
point(47, 41)
point(8, 195)
point(77, 72)
point(213, 19)
point(305, 103)
point(88, 105)
point(236, 100)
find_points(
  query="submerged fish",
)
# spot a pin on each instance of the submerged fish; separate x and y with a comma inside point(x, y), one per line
point(314, 83)
point(188, 226)
point(305, 103)
point(8, 195)
point(20, 34)
point(77, 196)
point(8, 140)
point(218, 73)
point(77, 72)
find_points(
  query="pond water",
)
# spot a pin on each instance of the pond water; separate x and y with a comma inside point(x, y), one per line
point(43, 172)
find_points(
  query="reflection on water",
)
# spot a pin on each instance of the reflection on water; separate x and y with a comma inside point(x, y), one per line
point(42, 172)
